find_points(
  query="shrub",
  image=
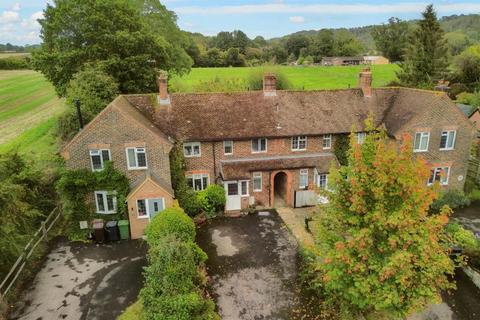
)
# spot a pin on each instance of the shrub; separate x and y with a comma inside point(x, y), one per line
point(212, 199)
point(474, 195)
point(462, 237)
point(188, 200)
point(15, 63)
point(171, 221)
point(453, 198)
point(133, 312)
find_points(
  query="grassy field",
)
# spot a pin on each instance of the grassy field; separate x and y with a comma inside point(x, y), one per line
point(307, 78)
point(29, 108)
point(13, 54)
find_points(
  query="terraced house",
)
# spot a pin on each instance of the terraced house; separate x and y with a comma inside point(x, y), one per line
point(263, 146)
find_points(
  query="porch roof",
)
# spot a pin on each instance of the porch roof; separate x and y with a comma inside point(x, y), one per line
point(236, 169)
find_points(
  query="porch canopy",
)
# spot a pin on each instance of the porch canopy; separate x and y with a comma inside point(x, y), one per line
point(239, 169)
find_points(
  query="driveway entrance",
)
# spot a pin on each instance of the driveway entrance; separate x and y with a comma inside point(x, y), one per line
point(253, 264)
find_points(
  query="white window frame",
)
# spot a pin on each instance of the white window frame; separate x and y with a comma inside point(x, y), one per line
point(224, 145)
point(438, 171)
point(361, 136)
point(136, 151)
point(105, 202)
point(241, 190)
point(256, 176)
point(327, 138)
point(447, 132)
point(147, 207)
point(422, 135)
point(200, 176)
point(259, 144)
point(192, 145)
point(326, 181)
point(302, 172)
point(297, 142)
point(99, 152)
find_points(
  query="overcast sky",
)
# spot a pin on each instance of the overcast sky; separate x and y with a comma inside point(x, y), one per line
point(267, 18)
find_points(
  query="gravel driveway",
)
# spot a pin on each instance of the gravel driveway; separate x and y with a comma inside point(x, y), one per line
point(84, 281)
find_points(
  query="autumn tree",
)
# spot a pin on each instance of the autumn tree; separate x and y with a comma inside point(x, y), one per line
point(381, 252)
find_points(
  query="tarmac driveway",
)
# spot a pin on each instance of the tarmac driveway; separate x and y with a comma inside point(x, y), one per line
point(84, 281)
point(253, 263)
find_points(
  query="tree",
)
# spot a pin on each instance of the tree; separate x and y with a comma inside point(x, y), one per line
point(259, 41)
point(346, 44)
point(214, 58)
point(110, 33)
point(468, 66)
point(223, 40)
point(295, 43)
point(234, 58)
point(240, 40)
point(426, 56)
point(391, 39)
point(323, 44)
point(381, 252)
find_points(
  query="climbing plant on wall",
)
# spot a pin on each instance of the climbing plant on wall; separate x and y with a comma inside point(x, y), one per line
point(340, 148)
point(76, 189)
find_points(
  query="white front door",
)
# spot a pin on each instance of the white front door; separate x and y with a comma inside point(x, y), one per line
point(155, 206)
point(233, 196)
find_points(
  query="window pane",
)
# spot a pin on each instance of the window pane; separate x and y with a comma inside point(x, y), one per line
point(105, 155)
point(100, 203)
point(96, 162)
point(197, 183)
point(204, 182)
point(196, 150)
point(424, 142)
point(232, 189)
point(142, 210)
point(443, 140)
point(244, 185)
point(131, 158)
point(417, 141)
point(141, 159)
point(263, 144)
point(111, 199)
point(257, 182)
point(187, 150)
point(228, 147)
point(255, 145)
point(451, 140)
point(190, 182)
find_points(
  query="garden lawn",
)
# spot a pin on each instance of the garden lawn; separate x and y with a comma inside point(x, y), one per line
point(307, 78)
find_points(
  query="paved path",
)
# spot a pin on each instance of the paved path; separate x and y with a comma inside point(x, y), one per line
point(84, 281)
point(253, 263)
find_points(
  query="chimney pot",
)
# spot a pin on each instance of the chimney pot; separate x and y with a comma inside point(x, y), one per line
point(269, 85)
point(365, 82)
point(163, 96)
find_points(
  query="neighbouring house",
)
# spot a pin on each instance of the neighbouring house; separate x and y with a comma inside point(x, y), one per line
point(264, 146)
point(472, 113)
point(373, 60)
point(353, 61)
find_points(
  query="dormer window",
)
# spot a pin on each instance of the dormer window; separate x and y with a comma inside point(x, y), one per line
point(299, 143)
point(191, 149)
point(259, 145)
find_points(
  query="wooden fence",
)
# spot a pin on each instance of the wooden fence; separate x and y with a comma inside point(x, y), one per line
point(38, 237)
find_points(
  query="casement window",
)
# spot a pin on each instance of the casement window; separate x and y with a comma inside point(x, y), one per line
point(228, 147)
point(257, 182)
point(447, 140)
point(136, 158)
point(421, 141)
point(198, 182)
point(244, 188)
point(299, 143)
point(440, 174)
point(191, 149)
point(106, 202)
point(98, 158)
point(148, 208)
point(259, 145)
point(303, 178)
point(361, 137)
point(327, 141)
point(322, 181)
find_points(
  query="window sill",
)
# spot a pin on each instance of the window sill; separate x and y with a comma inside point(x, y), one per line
point(142, 168)
point(106, 213)
point(298, 150)
point(194, 156)
point(259, 151)
point(143, 217)
point(329, 148)
point(446, 149)
point(257, 190)
point(419, 151)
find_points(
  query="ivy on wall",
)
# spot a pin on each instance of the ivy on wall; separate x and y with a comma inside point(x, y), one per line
point(76, 189)
point(340, 148)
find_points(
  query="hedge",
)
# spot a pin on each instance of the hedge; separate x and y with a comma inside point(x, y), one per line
point(171, 221)
point(212, 199)
point(15, 63)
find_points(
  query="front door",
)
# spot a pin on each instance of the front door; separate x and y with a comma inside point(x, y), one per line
point(233, 196)
point(155, 206)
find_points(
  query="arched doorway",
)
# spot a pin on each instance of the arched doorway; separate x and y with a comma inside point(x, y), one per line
point(280, 189)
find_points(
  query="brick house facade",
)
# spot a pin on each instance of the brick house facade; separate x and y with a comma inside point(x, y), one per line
point(264, 146)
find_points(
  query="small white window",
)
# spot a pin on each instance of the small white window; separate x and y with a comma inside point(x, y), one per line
point(440, 174)
point(191, 149)
point(142, 208)
point(299, 143)
point(303, 178)
point(327, 141)
point(148, 208)
point(257, 182)
point(198, 182)
point(244, 187)
point(136, 158)
point(447, 140)
point(361, 137)
point(421, 141)
point(106, 202)
point(322, 181)
point(98, 158)
point(228, 147)
point(259, 145)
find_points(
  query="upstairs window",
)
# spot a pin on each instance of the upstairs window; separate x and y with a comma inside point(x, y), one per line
point(259, 145)
point(299, 143)
point(361, 137)
point(421, 141)
point(106, 202)
point(303, 179)
point(327, 141)
point(440, 174)
point(447, 141)
point(198, 182)
point(191, 149)
point(227, 147)
point(136, 158)
point(98, 158)
point(257, 182)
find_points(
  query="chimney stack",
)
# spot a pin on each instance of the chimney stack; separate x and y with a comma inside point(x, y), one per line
point(269, 85)
point(163, 97)
point(365, 82)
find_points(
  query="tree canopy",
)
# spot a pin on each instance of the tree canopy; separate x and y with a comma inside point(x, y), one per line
point(391, 39)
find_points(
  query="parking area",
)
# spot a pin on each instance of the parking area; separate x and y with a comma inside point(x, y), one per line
point(84, 281)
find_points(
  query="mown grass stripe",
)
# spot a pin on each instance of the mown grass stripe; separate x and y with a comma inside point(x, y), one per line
point(5, 115)
point(20, 94)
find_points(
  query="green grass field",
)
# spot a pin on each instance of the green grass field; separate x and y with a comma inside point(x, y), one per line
point(301, 78)
point(29, 108)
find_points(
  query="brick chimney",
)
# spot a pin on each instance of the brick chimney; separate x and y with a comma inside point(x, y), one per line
point(269, 85)
point(163, 97)
point(365, 82)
